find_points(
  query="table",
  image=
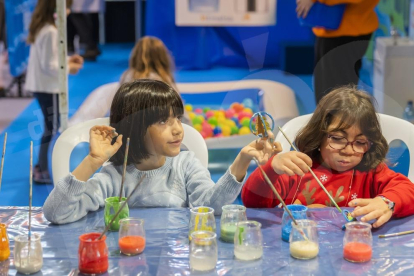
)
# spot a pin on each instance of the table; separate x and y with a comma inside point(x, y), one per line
point(167, 249)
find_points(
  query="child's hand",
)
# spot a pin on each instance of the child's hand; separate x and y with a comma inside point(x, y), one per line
point(291, 163)
point(100, 147)
point(373, 208)
point(262, 149)
point(303, 7)
point(74, 67)
point(76, 59)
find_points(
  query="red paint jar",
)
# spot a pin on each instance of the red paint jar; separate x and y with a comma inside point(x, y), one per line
point(358, 242)
point(92, 254)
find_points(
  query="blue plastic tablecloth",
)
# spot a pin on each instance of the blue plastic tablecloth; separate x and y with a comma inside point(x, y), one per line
point(167, 249)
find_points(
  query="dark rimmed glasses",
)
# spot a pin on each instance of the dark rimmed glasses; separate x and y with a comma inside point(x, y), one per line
point(340, 143)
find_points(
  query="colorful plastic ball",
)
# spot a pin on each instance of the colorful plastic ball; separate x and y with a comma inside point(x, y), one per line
point(219, 135)
point(198, 127)
point(235, 120)
point(206, 109)
point(234, 130)
point(204, 134)
point(220, 114)
point(237, 107)
point(229, 123)
point(198, 111)
point(245, 122)
point(191, 115)
point(225, 130)
point(188, 107)
point(248, 111)
point(230, 113)
point(243, 114)
point(207, 128)
point(216, 130)
point(221, 121)
point(212, 121)
point(198, 120)
point(248, 103)
point(209, 114)
point(244, 130)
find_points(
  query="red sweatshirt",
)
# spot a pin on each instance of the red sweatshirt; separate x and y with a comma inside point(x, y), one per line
point(343, 186)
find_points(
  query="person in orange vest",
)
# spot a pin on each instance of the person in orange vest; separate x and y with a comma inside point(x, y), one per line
point(338, 53)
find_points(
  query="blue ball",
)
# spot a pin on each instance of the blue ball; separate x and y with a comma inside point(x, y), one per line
point(248, 103)
point(216, 130)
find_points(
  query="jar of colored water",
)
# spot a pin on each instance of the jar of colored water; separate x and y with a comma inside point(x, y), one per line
point(112, 206)
point(248, 241)
point(4, 243)
point(303, 239)
point(28, 255)
point(203, 251)
point(298, 212)
point(231, 215)
point(201, 219)
point(358, 242)
point(131, 236)
point(92, 254)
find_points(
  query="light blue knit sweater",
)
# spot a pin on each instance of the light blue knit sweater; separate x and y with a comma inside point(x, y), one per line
point(181, 182)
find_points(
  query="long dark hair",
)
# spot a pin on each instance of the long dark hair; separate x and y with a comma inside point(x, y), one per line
point(136, 106)
point(43, 15)
point(352, 107)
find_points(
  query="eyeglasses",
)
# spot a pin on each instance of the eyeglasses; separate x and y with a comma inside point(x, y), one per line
point(340, 142)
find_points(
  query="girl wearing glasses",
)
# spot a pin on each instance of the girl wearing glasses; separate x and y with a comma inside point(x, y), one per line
point(345, 148)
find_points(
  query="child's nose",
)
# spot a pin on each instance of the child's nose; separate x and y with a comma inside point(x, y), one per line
point(348, 149)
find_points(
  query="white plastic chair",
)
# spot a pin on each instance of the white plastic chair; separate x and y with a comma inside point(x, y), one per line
point(393, 128)
point(79, 133)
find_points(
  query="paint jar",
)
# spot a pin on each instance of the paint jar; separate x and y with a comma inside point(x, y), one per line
point(358, 242)
point(203, 251)
point(28, 255)
point(248, 241)
point(131, 236)
point(304, 242)
point(231, 215)
point(4, 243)
point(112, 206)
point(202, 219)
point(298, 212)
point(92, 254)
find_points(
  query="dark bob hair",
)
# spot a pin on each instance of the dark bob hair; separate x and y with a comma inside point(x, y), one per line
point(136, 106)
point(352, 107)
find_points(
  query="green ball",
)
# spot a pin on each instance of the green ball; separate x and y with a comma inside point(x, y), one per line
point(234, 130)
point(198, 120)
point(212, 121)
point(205, 109)
point(245, 122)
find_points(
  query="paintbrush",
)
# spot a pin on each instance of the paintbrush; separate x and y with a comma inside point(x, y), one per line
point(124, 169)
point(396, 234)
point(317, 180)
point(2, 158)
point(279, 198)
point(120, 208)
point(30, 190)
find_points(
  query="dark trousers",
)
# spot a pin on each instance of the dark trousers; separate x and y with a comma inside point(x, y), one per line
point(337, 62)
point(49, 103)
point(86, 26)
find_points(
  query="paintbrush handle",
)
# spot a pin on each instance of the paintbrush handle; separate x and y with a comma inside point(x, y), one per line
point(122, 207)
point(313, 174)
point(124, 169)
point(31, 188)
point(396, 234)
point(2, 157)
point(275, 191)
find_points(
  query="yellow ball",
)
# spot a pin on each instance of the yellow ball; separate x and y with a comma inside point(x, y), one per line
point(221, 121)
point(198, 127)
point(188, 107)
point(244, 131)
point(248, 110)
point(225, 130)
point(191, 115)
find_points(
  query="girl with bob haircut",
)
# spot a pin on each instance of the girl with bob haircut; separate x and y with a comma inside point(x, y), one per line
point(345, 148)
point(149, 112)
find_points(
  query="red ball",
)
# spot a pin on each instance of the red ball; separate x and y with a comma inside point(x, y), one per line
point(230, 113)
point(198, 111)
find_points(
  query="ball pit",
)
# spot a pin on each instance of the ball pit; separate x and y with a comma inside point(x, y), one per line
point(224, 122)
